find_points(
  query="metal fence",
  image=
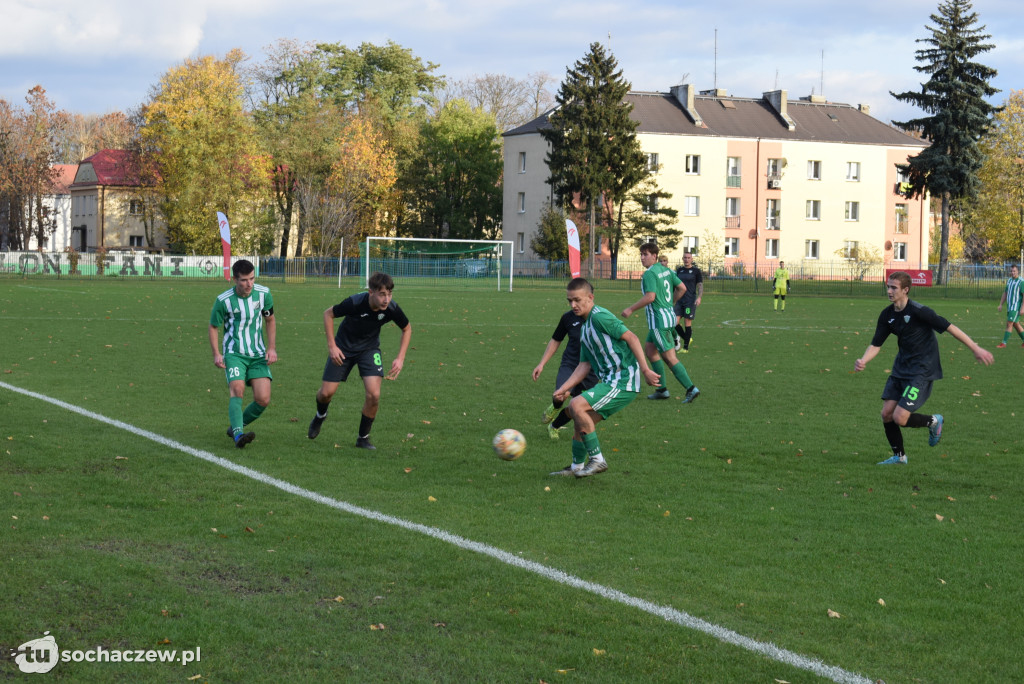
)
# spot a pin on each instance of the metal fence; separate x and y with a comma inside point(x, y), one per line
point(825, 278)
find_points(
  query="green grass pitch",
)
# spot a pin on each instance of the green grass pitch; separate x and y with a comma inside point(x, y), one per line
point(759, 508)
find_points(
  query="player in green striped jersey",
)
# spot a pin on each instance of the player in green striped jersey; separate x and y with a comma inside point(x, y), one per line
point(242, 311)
point(1012, 296)
point(661, 288)
point(613, 352)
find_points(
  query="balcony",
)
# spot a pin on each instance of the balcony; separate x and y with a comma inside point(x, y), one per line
point(732, 221)
point(733, 181)
point(773, 223)
point(774, 182)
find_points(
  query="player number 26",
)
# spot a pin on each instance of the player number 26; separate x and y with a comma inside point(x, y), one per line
point(234, 372)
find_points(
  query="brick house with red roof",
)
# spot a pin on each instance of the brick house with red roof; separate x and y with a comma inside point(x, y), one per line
point(110, 208)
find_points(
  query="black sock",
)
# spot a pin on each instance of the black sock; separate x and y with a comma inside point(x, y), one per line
point(557, 403)
point(365, 423)
point(563, 418)
point(679, 330)
point(895, 436)
point(321, 408)
point(919, 420)
point(687, 336)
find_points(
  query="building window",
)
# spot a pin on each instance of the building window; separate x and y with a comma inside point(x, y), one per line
point(732, 247)
point(902, 176)
point(850, 249)
point(814, 170)
point(772, 214)
point(853, 211)
point(521, 202)
point(902, 219)
point(810, 249)
point(135, 207)
point(521, 242)
point(899, 251)
point(813, 210)
point(651, 205)
point(733, 172)
point(853, 171)
point(522, 162)
point(652, 162)
point(693, 164)
point(649, 240)
point(691, 206)
point(690, 245)
point(732, 206)
point(135, 241)
point(771, 248)
point(774, 169)
point(597, 244)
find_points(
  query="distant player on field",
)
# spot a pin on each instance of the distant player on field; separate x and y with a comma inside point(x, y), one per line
point(1012, 298)
point(569, 325)
point(357, 344)
point(686, 306)
point(613, 352)
point(660, 289)
point(246, 360)
point(780, 284)
point(916, 365)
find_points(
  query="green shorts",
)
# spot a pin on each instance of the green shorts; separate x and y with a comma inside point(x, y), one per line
point(606, 400)
point(1012, 315)
point(245, 368)
point(662, 338)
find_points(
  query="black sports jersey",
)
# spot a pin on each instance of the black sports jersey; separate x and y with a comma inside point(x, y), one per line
point(361, 328)
point(569, 325)
point(915, 327)
point(690, 277)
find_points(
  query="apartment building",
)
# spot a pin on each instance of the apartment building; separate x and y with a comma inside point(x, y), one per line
point(770, 178)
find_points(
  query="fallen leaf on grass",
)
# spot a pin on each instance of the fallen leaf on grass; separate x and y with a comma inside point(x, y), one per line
point(939, 517)
point(665, 514)
point(430, 498)
point(833, 614)
point(599, 651)
point(378, 627)
point(881, 602)
point(120, 458)
point(164, 642)
point(951, 498)
point(249, 529)
point(198, 676)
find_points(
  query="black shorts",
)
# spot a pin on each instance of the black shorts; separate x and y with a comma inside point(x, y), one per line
point(909, 394)
point(565, 372)
point(369, 362)
point(686, 309)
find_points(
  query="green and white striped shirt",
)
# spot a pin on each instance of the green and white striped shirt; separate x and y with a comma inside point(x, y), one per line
point(608, 355)
point(1013, 294)
point(242, 318)
point(662, 282)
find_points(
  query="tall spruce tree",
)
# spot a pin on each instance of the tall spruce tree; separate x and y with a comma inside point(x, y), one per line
point(594, 151)
point(954, 95)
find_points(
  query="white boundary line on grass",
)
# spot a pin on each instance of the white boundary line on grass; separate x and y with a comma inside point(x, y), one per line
point(667, 613)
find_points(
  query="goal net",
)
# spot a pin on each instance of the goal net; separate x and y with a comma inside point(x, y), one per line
point(458, 261)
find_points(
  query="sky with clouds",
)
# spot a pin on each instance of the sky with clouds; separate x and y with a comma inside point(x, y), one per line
point(105, 55)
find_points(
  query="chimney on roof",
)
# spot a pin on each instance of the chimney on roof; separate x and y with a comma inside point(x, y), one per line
point(777, 99)
point(715, 92)
point(814, 99)
point(864, 109)
point(684, 94)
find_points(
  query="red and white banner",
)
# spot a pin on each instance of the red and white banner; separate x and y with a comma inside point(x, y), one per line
point(922, 278)
point(225, 243)
point(574, 248)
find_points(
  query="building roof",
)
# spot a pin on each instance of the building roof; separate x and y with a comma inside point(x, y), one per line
point(108, 167)
point(744, 117)
point(63, 178)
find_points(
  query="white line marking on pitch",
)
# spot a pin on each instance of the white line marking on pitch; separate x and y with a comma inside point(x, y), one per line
point(752, 323)
point(667, 613)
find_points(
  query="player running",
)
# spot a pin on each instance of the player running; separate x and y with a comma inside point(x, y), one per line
point(242, 312)
point(357, 343)
point(1012, 298)
point(916, 366)
point(661, 288)
point(613, 352)
point(569, 326)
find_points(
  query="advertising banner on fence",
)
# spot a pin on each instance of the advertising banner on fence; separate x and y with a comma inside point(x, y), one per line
point(225, 243)
point(113, 264)
point(574, 248)
point(918, 277)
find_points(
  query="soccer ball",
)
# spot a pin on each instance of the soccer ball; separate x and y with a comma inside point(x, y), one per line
point(509, 444)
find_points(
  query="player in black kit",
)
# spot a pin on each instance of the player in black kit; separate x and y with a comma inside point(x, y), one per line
point(358, 344)
point(916, 366)
point(569, 325)
point(686, 306)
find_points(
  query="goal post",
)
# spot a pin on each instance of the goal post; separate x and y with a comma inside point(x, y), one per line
point(439, 258)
